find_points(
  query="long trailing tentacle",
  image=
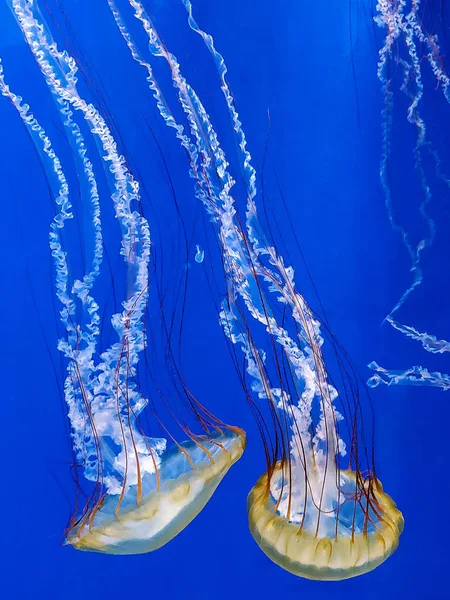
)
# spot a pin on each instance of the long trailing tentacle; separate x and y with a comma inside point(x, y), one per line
point(405, 32)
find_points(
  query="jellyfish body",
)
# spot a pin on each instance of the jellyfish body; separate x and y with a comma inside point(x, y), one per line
point(143, 493)
point(345, 545)
point(308, 514)
point(186, 478)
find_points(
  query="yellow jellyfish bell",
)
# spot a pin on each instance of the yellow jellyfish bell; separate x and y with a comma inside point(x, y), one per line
point(188, 475)
point(299, 549)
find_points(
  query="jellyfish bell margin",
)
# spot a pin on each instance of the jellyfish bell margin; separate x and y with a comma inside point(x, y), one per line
point(304, 553)
point(172, 497)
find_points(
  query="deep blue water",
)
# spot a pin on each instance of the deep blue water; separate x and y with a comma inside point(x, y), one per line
point(313, 68)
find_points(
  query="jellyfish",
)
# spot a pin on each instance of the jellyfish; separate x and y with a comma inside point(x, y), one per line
point(142, 491)
point(410, 59)
point(308, 513)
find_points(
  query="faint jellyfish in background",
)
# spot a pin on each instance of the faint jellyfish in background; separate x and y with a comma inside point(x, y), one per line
point(411, 67)
point(307, 512)
point(143, 493)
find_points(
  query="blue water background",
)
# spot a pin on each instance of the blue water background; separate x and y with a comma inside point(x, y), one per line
point(314, 68)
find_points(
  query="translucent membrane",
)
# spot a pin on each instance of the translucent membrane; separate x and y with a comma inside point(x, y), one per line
point(347, 552)
point(188, 475)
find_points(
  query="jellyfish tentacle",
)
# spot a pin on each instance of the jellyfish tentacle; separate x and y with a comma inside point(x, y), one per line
point(429, 342)
point(403, 25)
point(405, 30)
point(417, 375)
